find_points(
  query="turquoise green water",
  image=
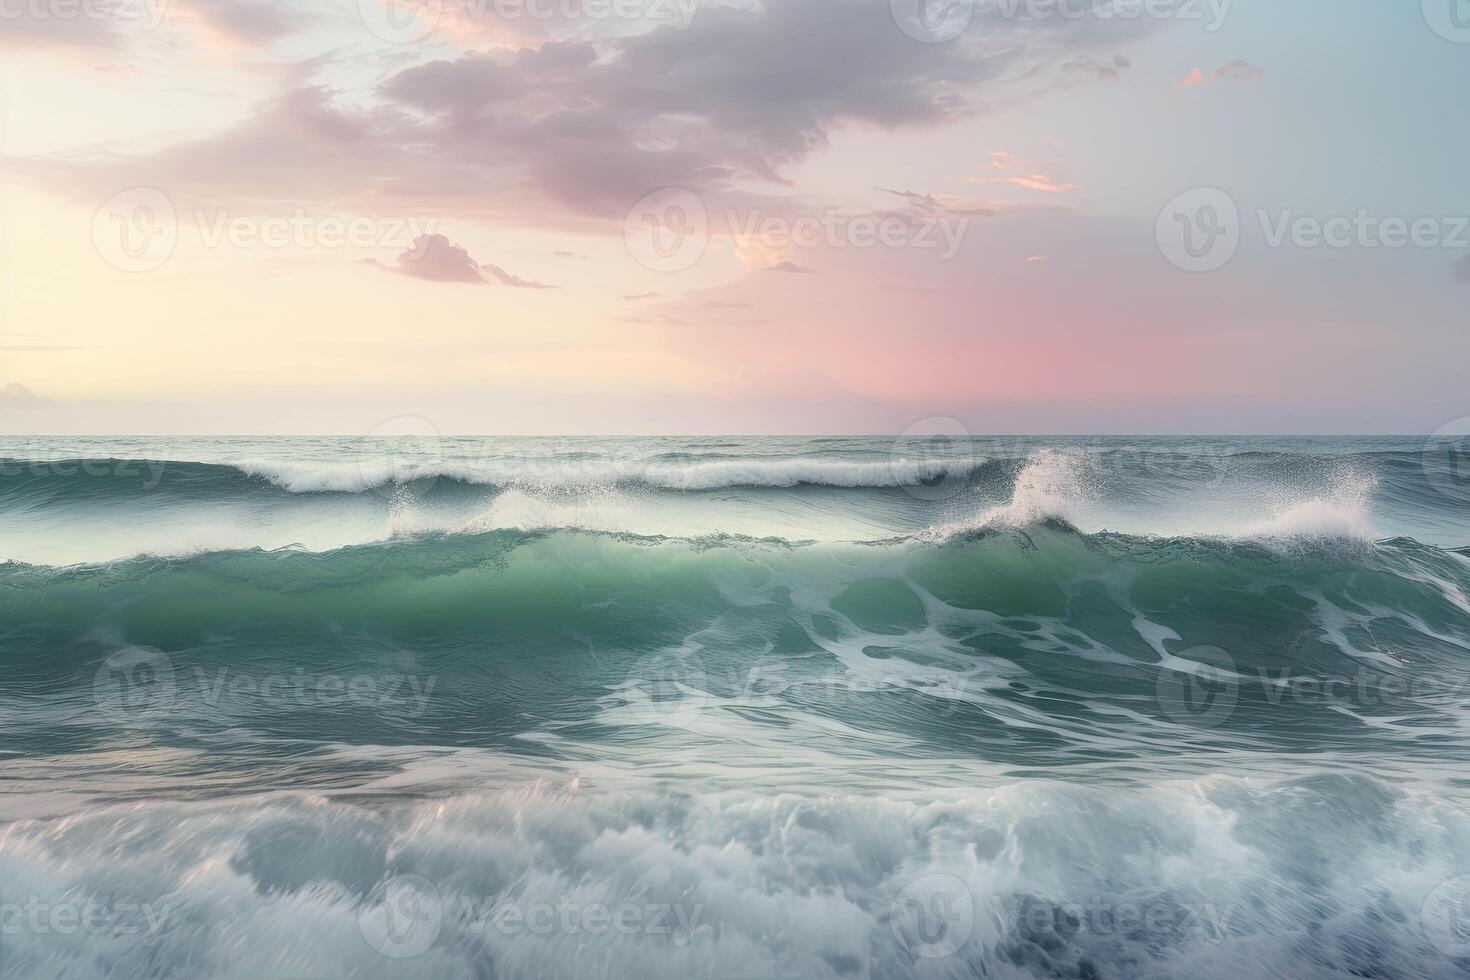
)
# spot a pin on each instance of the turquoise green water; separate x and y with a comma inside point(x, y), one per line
point(842, 707)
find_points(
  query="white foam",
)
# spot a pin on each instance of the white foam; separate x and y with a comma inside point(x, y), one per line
point(1342, 514)
point(607, 512)
point(1217, 878)
point(355, 477)
point(1053, 485)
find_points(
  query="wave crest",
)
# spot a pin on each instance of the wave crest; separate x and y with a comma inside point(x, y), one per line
point(710, 475)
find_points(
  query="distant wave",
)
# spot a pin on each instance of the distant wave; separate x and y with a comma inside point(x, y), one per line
point(372, 473)
point(312, 478)
point(1277, 499)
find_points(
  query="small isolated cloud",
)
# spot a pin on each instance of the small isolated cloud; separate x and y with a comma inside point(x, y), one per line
point(506, 279)
point(787, 265)
point(1001, 160)
point(1032, 182)
point(1236, 71)
point(1009, 165)
point(1461, 268)
point(254, 23)
point(918, 206)
point(437, 259)
point(928, 202)
point(1035, 258)
point(1087, 67)
point(1240, 71)
point(638, 296)
point(1041, 182)
point(715, 304)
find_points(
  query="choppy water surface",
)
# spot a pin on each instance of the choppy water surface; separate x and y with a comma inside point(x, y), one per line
point(735, 707)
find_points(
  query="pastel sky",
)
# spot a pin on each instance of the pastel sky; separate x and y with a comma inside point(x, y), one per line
point(643, 216)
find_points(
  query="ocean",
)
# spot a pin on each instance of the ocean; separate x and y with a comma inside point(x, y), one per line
point(748, 707)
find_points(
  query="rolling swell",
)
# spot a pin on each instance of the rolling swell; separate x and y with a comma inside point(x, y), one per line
point(1014, 645)
point(58, 480)
point(1126, 713)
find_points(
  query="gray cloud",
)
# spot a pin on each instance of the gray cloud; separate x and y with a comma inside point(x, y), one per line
point(919, 206)
point(1098, 70)
point(247, 21)
point(506, 279)
point(1240, 70)
point(569, 134)
point(437, 259)
point(97, 24)
point(24, 29)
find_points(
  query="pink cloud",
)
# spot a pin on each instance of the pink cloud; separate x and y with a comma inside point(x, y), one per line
point(568, 134)
point(437, 259)
point(1237, 71)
